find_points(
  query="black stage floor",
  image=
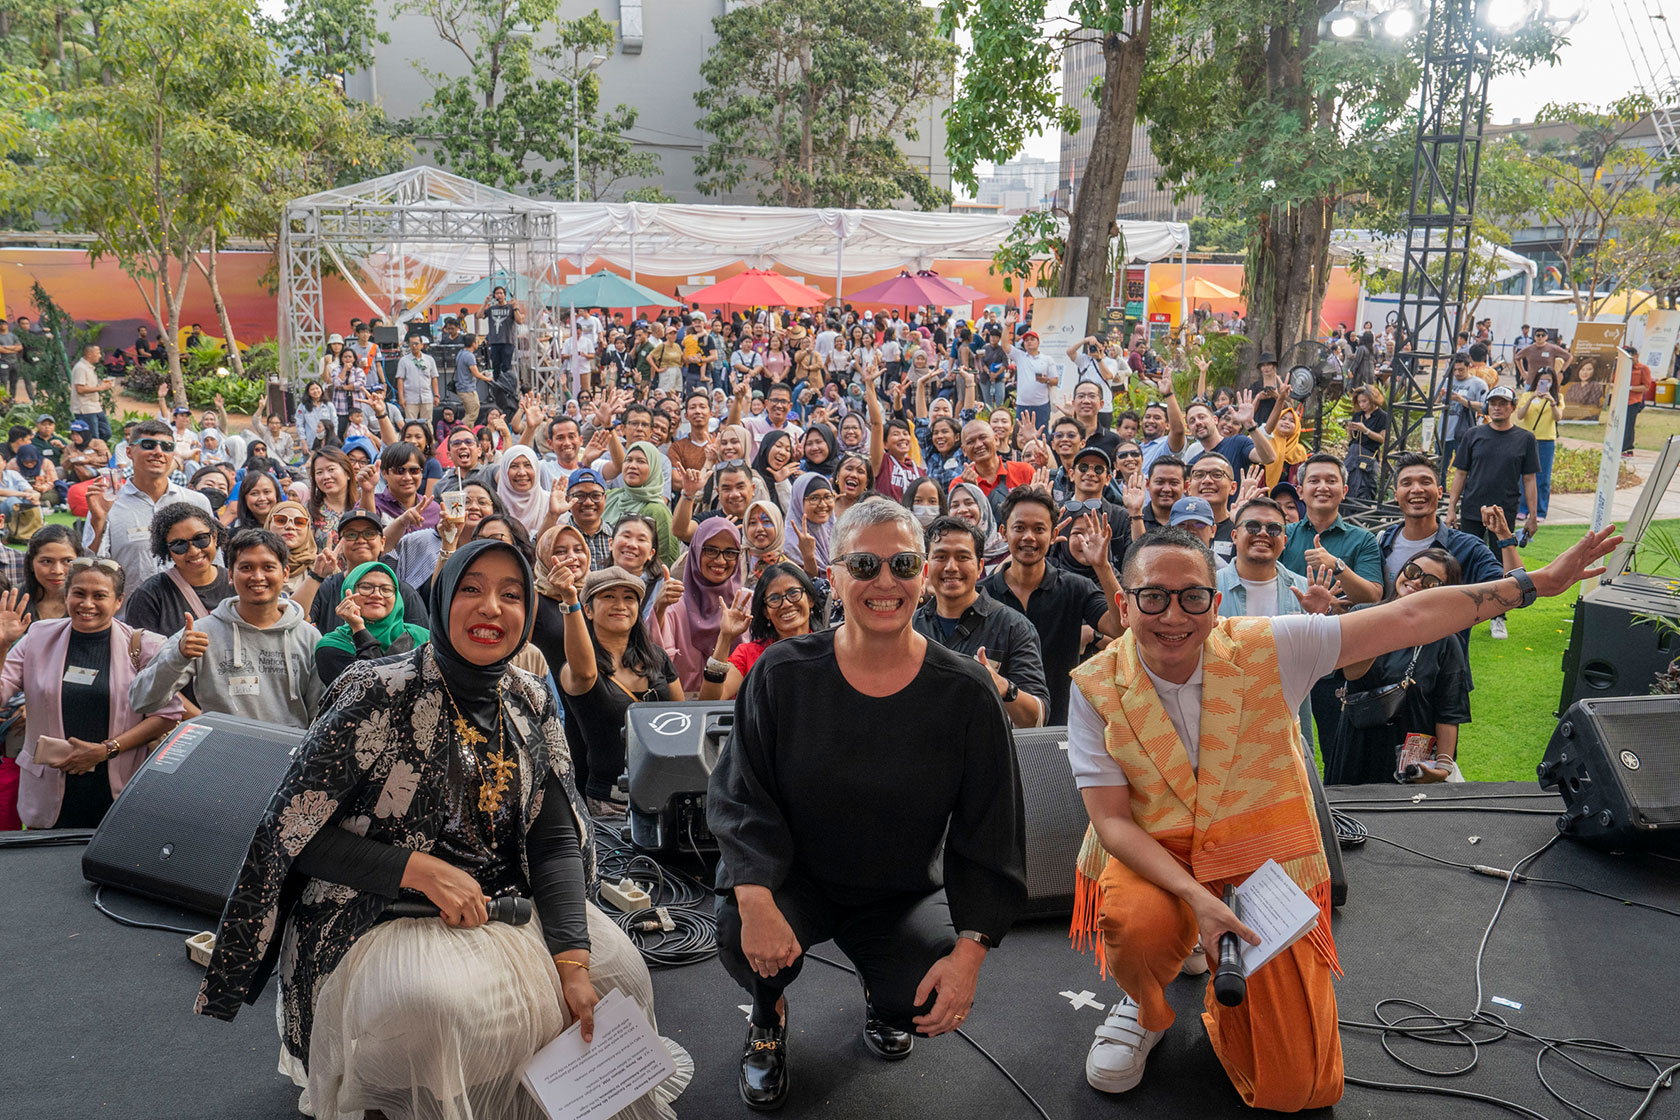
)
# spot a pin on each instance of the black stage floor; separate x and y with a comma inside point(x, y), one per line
point(97, 1019)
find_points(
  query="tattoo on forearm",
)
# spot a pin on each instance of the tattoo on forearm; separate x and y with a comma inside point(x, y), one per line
point(1483, 594)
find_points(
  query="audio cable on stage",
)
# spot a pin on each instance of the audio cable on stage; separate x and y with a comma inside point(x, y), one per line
point(678, 926)
point(1399, 1018)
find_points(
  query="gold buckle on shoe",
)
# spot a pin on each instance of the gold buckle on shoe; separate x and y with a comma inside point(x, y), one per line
point(765, 1044)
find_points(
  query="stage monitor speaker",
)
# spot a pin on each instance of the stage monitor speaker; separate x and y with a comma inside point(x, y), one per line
point(1609, 654)
point(1056, 819)
point(384, 336)
point(182, 826)
point(1616, 762)
point(669, 752)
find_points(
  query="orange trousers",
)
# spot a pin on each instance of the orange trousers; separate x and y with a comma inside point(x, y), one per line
point(1280, 1046)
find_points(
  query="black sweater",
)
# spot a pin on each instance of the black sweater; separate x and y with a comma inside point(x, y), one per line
point(873, 796)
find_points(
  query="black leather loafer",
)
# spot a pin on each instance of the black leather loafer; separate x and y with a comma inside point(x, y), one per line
point(764, 1067)
point(886, 1042)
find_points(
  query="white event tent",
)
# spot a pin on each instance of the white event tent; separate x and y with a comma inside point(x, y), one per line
point(402, 240)
point(1371, 250)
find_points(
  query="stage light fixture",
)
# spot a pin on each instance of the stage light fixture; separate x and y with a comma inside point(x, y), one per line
point(1505, 15)
point(1341, 24)
point(1399, 23)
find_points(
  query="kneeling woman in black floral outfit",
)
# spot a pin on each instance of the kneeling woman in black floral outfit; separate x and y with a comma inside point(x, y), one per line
point(442, 772)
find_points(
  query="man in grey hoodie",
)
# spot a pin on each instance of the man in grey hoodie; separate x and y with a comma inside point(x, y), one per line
point(253, 657)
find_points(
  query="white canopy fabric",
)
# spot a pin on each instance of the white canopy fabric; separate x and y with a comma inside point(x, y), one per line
point(1388, 251)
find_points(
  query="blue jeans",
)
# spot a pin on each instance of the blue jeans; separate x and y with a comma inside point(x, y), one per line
point(1039, 412)
point(99, 425)
point(1542, 481)
point(991, 392)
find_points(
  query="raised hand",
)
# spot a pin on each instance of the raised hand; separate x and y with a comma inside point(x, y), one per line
point(1577, 562)
point(1253, 484)
point(351, 612)
point(14, 620)
point(558, 503)
point(807, 543)
point(1135, 495)
point(1493, 520)
point(1318, 556)
point(192, 643)
point(99, 500)
point(1322, 585)
point(969, 475)
point(326, 560)
point(1093, 549)
point(670, 593)
point(367, 479)
point(1245, 406)
point(737, 616)
point(1041, 475)
point(596, 447)
point(416, 514)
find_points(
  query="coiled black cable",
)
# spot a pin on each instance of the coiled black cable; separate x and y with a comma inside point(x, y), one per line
point(684, 898)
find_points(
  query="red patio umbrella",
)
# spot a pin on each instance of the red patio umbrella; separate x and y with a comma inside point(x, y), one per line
point(960, 292)
point(907, 290)
point(757, 287)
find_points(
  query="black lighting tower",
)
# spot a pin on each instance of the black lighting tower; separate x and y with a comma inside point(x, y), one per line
point(1457, 63)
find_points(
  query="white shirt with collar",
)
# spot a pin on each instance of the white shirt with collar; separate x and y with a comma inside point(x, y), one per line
point(128, 529)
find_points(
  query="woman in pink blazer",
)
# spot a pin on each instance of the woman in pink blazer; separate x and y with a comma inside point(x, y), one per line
point(76, 688)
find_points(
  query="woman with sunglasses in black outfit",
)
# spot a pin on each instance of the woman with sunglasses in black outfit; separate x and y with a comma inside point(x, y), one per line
point(188, 542)
point(868, 796)
point(1425, 727)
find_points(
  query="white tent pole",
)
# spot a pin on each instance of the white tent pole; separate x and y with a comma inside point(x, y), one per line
point(1528, 292)
point(839, 270)
point(1184, 292)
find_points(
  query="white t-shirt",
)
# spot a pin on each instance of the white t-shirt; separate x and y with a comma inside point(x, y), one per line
point(1402, 551)
point(1308, 647)
point(825, 342)
point(84, 376)
point(1029, 390)
point(1262, 597)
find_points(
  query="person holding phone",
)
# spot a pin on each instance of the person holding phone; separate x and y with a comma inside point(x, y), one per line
point(1537, 411)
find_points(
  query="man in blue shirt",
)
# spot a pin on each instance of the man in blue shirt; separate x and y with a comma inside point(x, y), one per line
point(467, 379)
point(1163, 424)
point(1249, 446)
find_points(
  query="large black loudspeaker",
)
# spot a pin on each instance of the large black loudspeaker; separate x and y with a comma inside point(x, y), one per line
point(1609, 654)
point(1056, 819)
point(1616, 763)
point(182, 826)
point(669, 753)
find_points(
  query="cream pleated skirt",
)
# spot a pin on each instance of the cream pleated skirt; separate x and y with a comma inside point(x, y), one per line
point(424, 1022)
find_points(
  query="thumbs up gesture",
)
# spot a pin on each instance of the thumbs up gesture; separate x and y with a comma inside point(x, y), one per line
point(998, 681)
point(1318, 556)
point(193, 643)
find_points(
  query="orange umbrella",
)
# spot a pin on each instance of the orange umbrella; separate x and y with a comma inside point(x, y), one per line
point(1201, 289)
point(758, 287)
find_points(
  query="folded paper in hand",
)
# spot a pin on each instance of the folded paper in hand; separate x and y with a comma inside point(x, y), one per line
point(1270, 904)
point(577, 1080)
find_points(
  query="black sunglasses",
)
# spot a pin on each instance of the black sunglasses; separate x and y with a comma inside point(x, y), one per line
point(1088, 505)
point(1270, 528)
point(147, 443)
point(866, 566)
point(1155, 600)
point(1091, 466)
point(1420, 577)
point(199, 541)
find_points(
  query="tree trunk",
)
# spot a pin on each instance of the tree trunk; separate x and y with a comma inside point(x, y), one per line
point(235, 358)
point(1286, 273)
point(1093, 223)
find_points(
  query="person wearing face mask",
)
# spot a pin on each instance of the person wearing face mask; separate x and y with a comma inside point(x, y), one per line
point(925, 498)
point(452, 780)
point(83, 741)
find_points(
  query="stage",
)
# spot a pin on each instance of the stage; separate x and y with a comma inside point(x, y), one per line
point(99, 1018)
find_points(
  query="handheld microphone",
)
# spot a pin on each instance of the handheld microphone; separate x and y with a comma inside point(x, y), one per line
point(1230, 983)
point(512, 909)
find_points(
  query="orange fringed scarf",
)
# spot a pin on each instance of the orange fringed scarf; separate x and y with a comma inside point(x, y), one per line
point(1249, 800)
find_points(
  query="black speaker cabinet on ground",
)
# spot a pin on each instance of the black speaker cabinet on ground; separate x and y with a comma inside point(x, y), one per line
point(669, 753)
point(1609, 654)
point(1617, 764)
point(1056, 819)
point(182, 826)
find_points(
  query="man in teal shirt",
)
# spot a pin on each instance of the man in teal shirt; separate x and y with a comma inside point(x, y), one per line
point(1322, 538)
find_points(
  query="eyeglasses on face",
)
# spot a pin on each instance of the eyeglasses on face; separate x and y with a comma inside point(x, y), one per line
point(1155, 600)
point(709, 552)
point(792, 596)
point(1198, 476)
point(405, 470)
point(865, 566)
point(1420, 577)
point(185, 545)
point(284, 522)
point(147, 443)
point(353, 536)
point(384, 591)
point(1256, 527)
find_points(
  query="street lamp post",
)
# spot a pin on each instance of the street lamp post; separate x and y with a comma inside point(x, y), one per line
point(577, 117)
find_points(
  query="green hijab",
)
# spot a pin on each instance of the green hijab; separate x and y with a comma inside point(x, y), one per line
point(628, 499)
point(385, 630)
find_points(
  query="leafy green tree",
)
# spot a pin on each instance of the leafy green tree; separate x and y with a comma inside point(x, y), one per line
point(1011, 89)
point(806, 100)
point(325, 39)
point(509, 121)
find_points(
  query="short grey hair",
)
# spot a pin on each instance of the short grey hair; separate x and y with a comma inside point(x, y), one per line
point(874, 510)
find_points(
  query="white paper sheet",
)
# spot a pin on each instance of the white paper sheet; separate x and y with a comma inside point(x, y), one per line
point(574, 1080)
point(1270, 904)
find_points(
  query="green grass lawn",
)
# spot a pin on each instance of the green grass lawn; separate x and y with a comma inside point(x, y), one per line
point(1519, 680)
point(1650, 431)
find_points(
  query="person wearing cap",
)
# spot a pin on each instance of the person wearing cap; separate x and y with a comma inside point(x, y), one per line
point(86, 387)
point(47, 440)
point(1287, 496)
point(1495, 464)
point(638, 671)
point(1270, 390)
point(587, 492)
point(1195, 516)
point(1035, 377)
point(361, 540)
point(1091, 474)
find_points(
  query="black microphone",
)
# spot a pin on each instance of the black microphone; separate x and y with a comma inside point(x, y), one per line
point(1230, 983)
point(511, 909)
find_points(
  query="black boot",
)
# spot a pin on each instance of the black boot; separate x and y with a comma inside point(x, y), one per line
point(883, 1040)
point(764, 1067)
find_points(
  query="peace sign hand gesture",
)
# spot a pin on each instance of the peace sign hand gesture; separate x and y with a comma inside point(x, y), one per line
point(807, 543)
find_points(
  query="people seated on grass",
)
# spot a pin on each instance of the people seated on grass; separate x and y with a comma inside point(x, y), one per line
point(83, 740)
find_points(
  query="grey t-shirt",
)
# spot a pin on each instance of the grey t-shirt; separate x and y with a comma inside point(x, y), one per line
point(465, 382)
point(1459, 418)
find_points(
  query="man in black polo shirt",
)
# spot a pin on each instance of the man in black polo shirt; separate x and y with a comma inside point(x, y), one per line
point(1165, 484)
point(1214, 481)
point(966, 620)
point(1057, 603)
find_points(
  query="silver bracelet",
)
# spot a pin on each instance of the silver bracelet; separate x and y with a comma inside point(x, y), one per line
point(713, 665)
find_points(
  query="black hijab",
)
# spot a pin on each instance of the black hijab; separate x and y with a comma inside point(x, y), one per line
point(473, 686)
point(761, 461)
point(832, 460)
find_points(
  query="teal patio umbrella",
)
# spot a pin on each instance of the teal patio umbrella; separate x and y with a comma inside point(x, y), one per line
point(609, 289)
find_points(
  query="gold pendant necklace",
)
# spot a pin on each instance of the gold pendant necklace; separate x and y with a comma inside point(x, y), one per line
point(496, 769)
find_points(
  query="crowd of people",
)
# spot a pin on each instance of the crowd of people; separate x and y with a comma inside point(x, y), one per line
point(459, 588)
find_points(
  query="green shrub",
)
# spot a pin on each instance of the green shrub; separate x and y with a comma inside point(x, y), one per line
point(1575, 471)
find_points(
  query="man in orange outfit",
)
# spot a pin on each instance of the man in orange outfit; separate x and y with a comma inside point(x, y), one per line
point(1183, 741)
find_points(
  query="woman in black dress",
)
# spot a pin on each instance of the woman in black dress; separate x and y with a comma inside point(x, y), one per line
point(1366, 429)
point(1437, 702)
point(444, 772)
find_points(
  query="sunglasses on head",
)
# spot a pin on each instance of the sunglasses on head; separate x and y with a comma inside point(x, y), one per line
point(866, 566)
point(104, 564)
point(1420, 577)
point(148, 443)
point(199, 541)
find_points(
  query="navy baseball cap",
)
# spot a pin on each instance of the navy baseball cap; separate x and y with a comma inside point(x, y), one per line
point(585, 474)
point(1187, 510)
point(79, 426)
point(182, 411)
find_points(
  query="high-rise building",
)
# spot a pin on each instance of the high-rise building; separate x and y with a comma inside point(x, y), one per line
point(653, 65)
point(1140, 199)
point(1019, 185)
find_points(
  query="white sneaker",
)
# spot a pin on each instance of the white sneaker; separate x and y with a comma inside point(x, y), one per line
point(1497, 625)
point(1118, 1053)
point(1196, 963)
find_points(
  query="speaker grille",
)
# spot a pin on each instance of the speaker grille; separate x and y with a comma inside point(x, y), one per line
point(181, 828)
point(1643, 746)
point(1056, 818)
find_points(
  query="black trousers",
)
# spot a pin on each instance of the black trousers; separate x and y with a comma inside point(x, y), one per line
point(1327, 715)
point(892, 940)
